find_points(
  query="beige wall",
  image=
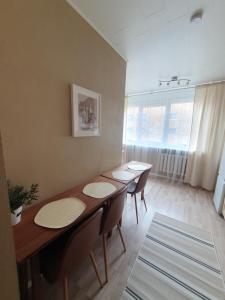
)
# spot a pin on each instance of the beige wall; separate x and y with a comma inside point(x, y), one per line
point(8, 274)
point(44, 47)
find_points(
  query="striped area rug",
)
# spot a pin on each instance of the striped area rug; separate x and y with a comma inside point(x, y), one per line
point(176, 261)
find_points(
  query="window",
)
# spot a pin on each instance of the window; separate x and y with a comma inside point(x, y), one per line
point(152, 126)
point(179, 127)
point(132, 123)
point(162, 121)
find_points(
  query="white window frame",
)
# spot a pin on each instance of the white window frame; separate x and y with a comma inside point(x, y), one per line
point(167, 104)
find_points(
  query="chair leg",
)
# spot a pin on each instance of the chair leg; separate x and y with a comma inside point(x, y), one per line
point(121, 237)
point(145, 205)
point(143, 198)
point(65, 288)
point(95, 268)
point(105, 256)
point(135, 198)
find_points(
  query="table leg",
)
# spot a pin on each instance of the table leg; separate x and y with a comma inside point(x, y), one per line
point(36, 278)
point(23, 280)
point(142, 194)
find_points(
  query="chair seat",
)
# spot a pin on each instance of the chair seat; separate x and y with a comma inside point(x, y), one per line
point(131, 187)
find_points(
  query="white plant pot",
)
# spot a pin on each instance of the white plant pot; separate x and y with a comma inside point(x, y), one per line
point(16, 216)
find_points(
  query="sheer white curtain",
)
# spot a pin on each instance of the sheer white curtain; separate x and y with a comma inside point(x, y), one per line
point(207, 136)
point(166, 162)
point(157, 130)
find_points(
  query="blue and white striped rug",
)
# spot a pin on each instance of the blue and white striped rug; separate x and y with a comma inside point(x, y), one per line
point(176, 261)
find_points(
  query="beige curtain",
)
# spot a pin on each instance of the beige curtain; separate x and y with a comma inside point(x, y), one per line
point(207, 136)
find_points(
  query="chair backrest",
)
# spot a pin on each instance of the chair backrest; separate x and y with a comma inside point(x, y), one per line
point(80, 243)
point(142, 181)
point(113, 212)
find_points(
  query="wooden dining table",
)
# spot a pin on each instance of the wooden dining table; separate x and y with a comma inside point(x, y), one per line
point(125, 167)
point(30, 239)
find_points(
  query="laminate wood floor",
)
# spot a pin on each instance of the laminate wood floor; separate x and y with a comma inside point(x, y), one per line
point(176, 200)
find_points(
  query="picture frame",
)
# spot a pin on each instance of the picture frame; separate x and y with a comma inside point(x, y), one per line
point(86, 112)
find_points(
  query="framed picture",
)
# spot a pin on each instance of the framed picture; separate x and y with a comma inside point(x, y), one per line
point(86, 110)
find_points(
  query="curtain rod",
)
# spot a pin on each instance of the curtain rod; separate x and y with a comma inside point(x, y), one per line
point(174, 89)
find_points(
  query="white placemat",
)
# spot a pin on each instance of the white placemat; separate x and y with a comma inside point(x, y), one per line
point(60, 213)
point(138, 167)
point(123, 175)
point(99, 189)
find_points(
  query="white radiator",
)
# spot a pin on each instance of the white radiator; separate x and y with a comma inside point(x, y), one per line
point(166, 162)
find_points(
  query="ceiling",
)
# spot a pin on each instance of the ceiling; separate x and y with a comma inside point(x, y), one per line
point(157, 39)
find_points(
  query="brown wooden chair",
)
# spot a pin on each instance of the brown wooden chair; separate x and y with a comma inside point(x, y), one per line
point(62, 256)
point(112, 217)
point(136, 187)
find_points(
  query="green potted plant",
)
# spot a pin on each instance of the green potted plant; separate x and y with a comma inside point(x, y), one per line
point(19, 197)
